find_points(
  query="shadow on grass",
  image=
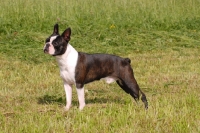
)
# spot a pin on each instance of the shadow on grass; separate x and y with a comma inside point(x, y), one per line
point(105, 100)
point(49, 99)
point(52, 99)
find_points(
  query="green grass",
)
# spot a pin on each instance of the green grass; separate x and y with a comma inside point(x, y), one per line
point(162, 38)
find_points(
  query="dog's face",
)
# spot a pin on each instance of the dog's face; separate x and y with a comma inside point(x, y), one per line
point(56, 44)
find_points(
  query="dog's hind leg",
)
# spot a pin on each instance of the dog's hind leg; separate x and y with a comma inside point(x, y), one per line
point(133, 92)
point(133, 89)
point(144, 99)
point(128, 83)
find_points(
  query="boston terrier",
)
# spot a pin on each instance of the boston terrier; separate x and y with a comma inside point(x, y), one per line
point(81, 68)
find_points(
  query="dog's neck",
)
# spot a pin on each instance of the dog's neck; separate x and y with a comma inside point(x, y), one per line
point(69, 58)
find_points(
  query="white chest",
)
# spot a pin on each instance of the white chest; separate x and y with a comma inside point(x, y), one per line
point(67, 63)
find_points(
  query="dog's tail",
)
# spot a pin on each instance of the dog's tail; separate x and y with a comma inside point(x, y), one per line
point(127, 60)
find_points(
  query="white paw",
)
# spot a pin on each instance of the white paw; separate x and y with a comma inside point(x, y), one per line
point(66, 108)
point(81, 106)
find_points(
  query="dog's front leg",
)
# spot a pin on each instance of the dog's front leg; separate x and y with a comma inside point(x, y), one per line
point(81, 97)
point(68, 91)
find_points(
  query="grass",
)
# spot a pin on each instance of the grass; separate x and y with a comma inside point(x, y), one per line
point(160, 37)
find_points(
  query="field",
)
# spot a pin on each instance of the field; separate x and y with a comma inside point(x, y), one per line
point(162, 39)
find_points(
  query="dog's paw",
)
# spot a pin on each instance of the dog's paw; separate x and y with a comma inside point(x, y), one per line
point(81, 107)
point(66, 108)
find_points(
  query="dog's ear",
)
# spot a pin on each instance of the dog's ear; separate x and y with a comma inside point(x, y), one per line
point(66, 34)
point(55, 30)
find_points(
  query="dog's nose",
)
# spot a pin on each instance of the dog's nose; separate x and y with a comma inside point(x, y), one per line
point(46, 48)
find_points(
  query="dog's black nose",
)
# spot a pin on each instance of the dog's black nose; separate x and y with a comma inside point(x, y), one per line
point(46, 48)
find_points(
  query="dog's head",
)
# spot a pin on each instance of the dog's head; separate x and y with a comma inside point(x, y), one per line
point(56, 44)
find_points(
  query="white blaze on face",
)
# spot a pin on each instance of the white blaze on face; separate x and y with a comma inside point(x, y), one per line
point(51, 47)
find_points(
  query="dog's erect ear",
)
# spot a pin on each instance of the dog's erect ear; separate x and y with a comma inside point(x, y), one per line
point(55, 30)
point(66, 34)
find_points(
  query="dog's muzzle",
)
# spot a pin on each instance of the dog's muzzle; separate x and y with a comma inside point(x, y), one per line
point(46, 48)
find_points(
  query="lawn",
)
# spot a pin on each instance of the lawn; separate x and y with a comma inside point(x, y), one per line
point(162, 39)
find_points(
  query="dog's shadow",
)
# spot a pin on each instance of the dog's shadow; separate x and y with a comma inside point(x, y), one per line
point(50, 99)
point(61, 100)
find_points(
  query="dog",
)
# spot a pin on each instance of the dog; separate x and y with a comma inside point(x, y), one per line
point(81, 68)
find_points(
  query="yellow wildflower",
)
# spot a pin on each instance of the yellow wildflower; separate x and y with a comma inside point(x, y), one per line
point(112, 26)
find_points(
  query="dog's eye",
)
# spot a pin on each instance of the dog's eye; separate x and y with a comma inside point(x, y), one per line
point(55, 44)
